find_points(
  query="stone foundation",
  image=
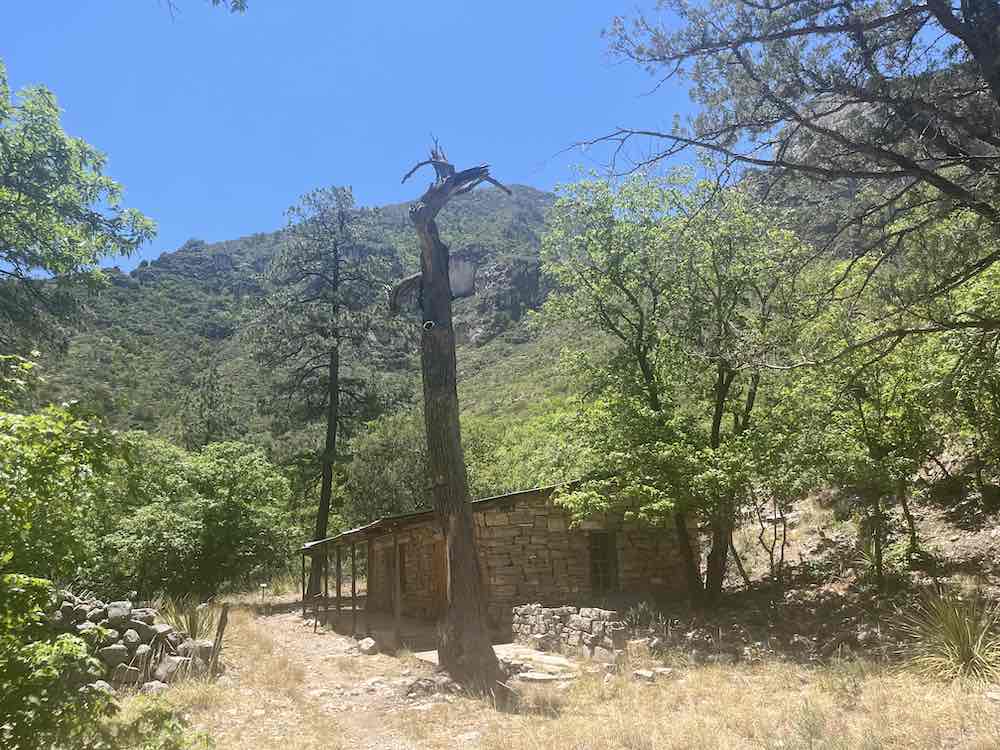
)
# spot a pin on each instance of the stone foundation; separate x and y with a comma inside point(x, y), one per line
point(584, 632)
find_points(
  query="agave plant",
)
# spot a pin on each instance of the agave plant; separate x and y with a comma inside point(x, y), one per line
point(951, 637)
point(188, 615)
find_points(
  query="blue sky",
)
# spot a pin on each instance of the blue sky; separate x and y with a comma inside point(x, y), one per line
point(216, 123)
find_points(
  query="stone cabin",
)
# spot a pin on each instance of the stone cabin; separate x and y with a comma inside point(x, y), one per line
point(529, 551)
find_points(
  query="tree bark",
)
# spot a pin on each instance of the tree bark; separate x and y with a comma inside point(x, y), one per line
point(911, 524)
point(327, 461)
point(722, 518)
point(464, 647)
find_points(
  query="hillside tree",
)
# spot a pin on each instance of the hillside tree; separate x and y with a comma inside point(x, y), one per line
point(319, 329)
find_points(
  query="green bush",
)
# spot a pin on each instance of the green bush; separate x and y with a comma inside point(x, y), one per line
point(950, 637)
point(44, 698)
point(179, 523)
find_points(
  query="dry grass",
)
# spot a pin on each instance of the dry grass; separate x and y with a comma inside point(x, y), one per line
point(263, 702)
point(842, 707)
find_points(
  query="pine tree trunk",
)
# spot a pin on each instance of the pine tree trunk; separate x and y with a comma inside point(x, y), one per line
point(464, 647)
point(327, 461)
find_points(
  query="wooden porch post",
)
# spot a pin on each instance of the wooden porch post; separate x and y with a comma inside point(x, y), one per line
point(397, 590)
point(369, 601)
point(339, 579)
point(303, 585)
point(326, 586)
point(354, 590)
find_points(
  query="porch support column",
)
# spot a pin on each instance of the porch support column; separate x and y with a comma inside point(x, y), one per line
point(354, 589)
point(303, 587)
point(338, 582)
point(397, 591)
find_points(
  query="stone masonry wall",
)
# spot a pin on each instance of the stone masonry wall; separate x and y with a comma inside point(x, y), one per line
point(584, 632)
point(529, 551)
point(418, 595)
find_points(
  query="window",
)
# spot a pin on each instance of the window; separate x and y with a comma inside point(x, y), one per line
point(603, 561)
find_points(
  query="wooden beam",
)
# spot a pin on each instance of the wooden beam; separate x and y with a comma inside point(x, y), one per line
point(369, 591)
point(339, 580)
point(303, 585)
point(397, 591)
point(326, 586)
point(354, 590)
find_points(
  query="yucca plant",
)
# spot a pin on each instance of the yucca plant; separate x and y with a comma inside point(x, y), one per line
point(951, 637)
point(187, 614)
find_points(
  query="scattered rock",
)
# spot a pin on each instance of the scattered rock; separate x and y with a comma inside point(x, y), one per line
point(111, 637)
point(104, 687)
point(143, 629)
point(86, 626)
point(126, 674)
point(171, 667)
point(97, 614)
point(119, 612)
point(644, 675)
point(153, 687)
point(544, 677)
point(80, 612)
point(131, 640)
point(162, 630)
point(144, 615)
point(367, 646)
point(66, 609)
point(113, 655)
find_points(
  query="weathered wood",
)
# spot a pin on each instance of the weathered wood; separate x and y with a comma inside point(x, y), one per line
point(326, 586)
point(354, 589)
point(339, 576)
point(369, 566)
point(213, 662)
point(303, 587)
point(397, 592)
point(464, 646)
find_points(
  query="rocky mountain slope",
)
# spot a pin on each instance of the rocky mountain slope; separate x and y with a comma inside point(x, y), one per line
point(161, 330)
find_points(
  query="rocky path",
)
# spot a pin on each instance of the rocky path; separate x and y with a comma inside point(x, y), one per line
point(290, 687)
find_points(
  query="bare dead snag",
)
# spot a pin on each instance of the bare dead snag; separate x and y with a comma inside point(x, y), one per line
point(464, 647)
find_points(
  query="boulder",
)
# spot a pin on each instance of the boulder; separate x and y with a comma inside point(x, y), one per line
point(203, 649)
point(102, 686)
point(119, 612)
point(85, 627)
point(144, 630)
point(110, 637)
point(153, 687)
point(144, 615)
point(171, 668)
point(162, 629)
point(113, 655)
point(367, 646)
point(97, 614)
point(125, 674)
point(131, 640)
point(644, 675)
point(187, 647)
point(80, 612)
point(66, 609)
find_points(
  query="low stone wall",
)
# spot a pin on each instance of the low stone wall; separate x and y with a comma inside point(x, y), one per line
point(585, 632)
point(134, 649)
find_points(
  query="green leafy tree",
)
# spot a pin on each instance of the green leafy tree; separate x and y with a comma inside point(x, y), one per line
point(688, 282)
point(59, 214)
point(872, 111)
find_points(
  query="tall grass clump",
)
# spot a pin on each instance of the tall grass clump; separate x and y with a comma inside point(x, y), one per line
point(951, 637)
point(185, 613)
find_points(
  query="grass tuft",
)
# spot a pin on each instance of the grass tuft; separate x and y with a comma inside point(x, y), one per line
point(952, 637)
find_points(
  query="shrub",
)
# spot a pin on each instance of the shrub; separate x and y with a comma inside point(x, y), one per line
point(44, 701)
point(188, 614)
point(952, 637)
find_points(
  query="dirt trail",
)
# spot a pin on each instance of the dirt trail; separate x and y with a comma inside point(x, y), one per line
point(332, 695)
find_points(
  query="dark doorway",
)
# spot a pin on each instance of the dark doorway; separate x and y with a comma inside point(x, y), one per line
point(603, 562)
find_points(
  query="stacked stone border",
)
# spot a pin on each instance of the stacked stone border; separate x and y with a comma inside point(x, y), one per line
point(583, 632)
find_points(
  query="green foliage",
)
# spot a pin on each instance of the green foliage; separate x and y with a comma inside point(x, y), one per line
point(61, 214)
point(951, 637)
point(150, 724)
point(50, 467)
point(43, 699)
point(191, 522)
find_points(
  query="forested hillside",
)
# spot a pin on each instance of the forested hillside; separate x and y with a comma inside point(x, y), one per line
point(163, 344)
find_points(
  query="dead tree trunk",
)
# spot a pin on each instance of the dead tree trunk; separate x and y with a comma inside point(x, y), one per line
point(464, 647)
point(329, 456)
